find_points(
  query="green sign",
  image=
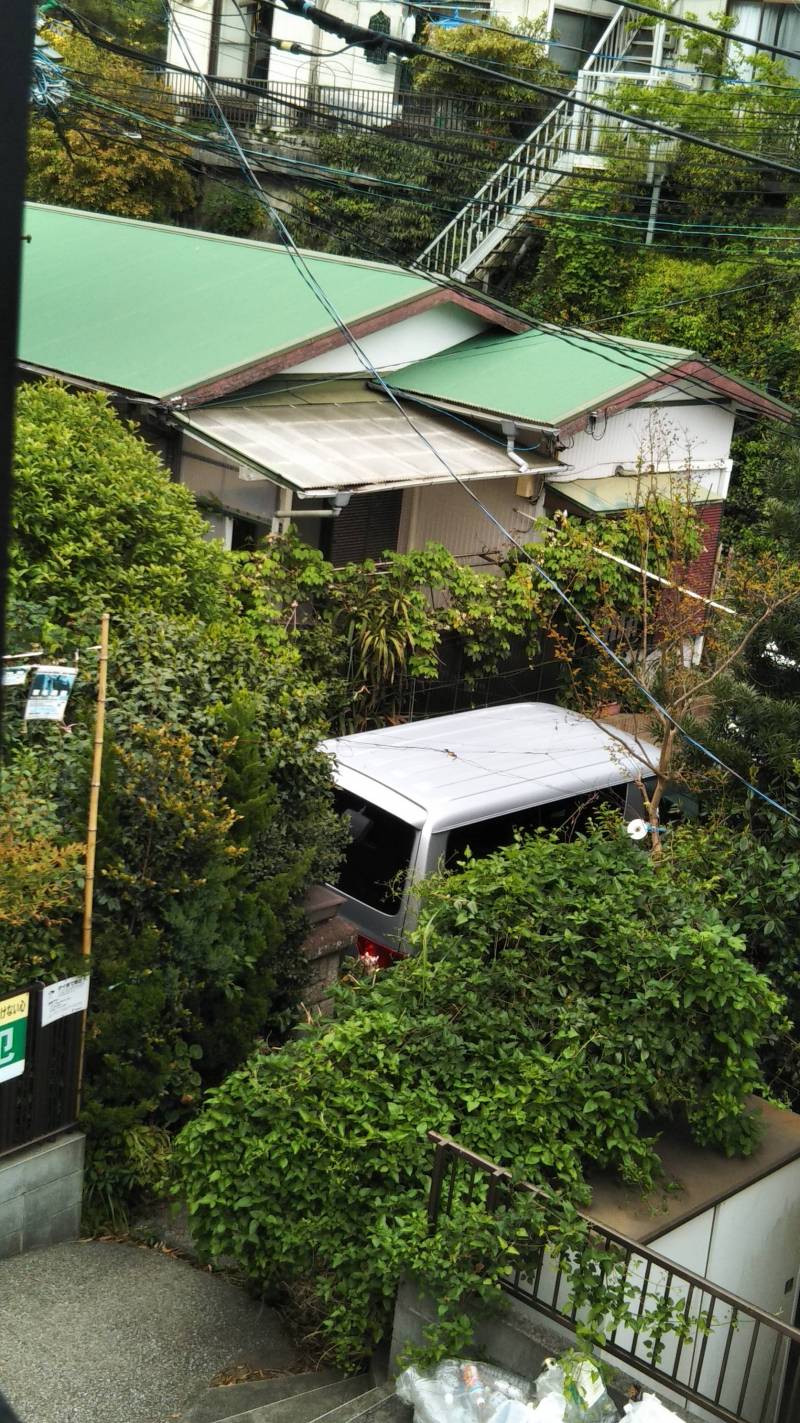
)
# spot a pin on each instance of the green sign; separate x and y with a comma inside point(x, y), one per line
point(13, 1033)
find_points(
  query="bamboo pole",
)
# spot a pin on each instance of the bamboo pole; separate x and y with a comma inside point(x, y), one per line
point(94, 787)
point(91, 830)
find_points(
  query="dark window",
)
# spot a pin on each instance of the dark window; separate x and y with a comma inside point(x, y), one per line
point(377, 858)
point(565, 816)
point(575, 36)
point(380, 23)
point(244, 533)
point(366, 528)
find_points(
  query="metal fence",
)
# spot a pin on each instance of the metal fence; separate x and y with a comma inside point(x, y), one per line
point(256, 105)
point(732, 1359)
point(43, 1099)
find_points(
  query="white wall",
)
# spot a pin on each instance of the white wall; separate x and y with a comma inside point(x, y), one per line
point(444, 513)
point(667, 435)
point(348, 70)
point(398, 345)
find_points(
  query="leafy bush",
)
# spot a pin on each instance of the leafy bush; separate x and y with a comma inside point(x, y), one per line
point(107, 164)
point(566, 1001)
point(231, 211)
point(97, 520)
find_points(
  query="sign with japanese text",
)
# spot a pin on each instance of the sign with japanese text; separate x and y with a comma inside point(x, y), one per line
point(13, 1035)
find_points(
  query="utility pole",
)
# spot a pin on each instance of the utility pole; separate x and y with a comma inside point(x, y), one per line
point(16, 49)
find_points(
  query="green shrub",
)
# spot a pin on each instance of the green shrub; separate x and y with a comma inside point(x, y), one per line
point(97, 520)
point(566, 1000)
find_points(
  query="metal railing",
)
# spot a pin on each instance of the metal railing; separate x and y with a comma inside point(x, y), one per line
point(44, 1098)
point(258, 106)
point(625, 49)
point(729, 1357)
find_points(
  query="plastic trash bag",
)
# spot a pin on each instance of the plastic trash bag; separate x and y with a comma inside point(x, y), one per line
point(580, 1385)
point(649, 1409)
point(460, 1391)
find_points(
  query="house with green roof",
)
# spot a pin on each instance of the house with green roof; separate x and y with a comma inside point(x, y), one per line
point(225, 354)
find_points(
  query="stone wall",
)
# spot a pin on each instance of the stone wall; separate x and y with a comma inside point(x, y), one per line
point(41, 1189)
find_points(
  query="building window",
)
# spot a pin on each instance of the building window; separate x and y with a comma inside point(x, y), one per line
point(772, 24)
point(575, 36)
point(381, 24)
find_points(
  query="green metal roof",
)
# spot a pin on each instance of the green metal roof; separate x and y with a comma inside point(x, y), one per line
point(159, 310)
point(543, 377)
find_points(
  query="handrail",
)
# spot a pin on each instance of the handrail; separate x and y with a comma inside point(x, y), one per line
point(735, 1369)
point(532, 163)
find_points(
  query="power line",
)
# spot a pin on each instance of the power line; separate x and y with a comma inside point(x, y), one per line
point(310, 280)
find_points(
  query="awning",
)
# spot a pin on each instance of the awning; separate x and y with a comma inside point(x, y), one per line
point(613, 494)
point(317, 440)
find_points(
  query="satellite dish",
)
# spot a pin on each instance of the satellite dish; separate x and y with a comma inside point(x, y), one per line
point(637, 829)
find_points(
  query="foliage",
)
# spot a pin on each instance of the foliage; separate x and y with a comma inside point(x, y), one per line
point(40, 880)
point(232, 211)
point(215, 805)
point(96, 157)
point(97, 519)
point(136, 22)
point(567, 999)
point(366, 629)
point(396, 222)
point(508, 49)
point(439, 171)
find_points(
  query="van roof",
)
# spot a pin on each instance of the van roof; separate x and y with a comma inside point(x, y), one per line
point(455, 770)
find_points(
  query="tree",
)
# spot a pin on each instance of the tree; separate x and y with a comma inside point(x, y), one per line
point(97, 518)
point(137, 22)
point(98, 157)
point(563, 1008)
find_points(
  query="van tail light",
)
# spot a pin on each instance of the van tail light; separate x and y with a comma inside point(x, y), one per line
point(375, 955)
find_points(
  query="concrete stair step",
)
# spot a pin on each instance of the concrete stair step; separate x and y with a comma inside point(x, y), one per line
point(335, 1402)
point(217, 1405)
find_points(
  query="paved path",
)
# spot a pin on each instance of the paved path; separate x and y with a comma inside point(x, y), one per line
point(96, 1332)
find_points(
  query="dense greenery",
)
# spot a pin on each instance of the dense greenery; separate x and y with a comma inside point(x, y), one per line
point(96, 521)
point(438, 167)
point(95, 157)
point(567, 1000)
point(215, 813)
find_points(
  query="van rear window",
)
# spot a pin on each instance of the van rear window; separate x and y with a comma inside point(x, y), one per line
point(378, 853)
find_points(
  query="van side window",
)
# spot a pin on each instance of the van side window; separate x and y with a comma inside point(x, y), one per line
point(378, 853)
point(566, 817)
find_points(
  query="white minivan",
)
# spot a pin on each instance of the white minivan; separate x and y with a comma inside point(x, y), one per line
point(418, 795)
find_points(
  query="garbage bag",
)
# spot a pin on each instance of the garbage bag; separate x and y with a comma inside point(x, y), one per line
point(649, 1409)
point(461, 1391)
point(580, 1384)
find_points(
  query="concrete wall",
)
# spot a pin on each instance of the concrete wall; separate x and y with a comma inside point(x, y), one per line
point(41, 1190)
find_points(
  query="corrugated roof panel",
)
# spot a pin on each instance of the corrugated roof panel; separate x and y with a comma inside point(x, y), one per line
point(158, 310)
point(543, 376)
point(359, 445)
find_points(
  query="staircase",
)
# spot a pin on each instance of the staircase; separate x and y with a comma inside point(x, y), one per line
point(493, 221)
point(300, 1398)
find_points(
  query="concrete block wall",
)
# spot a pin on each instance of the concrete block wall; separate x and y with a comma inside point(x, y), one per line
point(41, 1190)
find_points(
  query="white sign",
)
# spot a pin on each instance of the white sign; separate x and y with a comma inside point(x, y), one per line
point(14, 676)
point(59, 1000)
point(49, 693)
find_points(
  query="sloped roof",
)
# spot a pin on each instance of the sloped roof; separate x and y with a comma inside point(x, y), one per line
point(549, 376)
point(317, 436)
point(159, 310)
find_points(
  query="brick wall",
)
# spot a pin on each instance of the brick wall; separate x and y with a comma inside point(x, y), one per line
point(699, 574)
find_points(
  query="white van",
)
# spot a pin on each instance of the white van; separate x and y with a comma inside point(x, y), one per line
point(417, 796)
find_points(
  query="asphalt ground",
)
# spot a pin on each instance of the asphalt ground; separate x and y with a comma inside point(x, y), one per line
point(104, 1332)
